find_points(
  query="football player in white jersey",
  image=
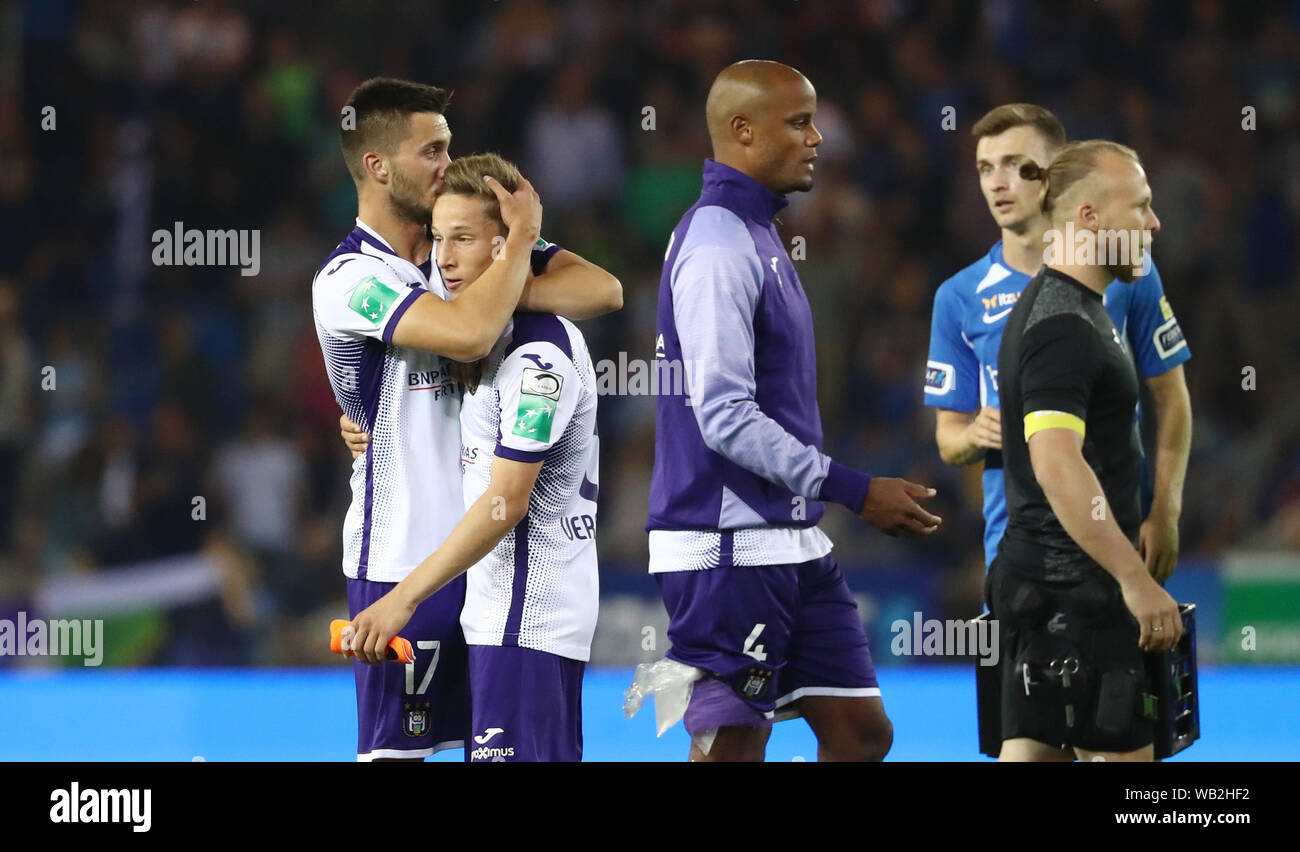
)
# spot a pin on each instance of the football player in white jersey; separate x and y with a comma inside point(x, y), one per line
point(389, 336)
point(530, 484)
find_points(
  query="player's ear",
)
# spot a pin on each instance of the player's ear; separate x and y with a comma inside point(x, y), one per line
point(1088, 216)
point(742, 129)
point(375, 165)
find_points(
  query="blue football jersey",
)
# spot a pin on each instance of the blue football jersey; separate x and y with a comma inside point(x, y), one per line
point(970, 311)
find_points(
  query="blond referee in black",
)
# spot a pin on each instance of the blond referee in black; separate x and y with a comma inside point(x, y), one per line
point(1075, 602)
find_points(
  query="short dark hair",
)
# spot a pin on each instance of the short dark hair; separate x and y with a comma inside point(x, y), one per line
point(1007, 116)
point(381, 107)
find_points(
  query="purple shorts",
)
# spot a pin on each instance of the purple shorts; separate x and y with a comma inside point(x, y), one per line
point(770, 635)
point(527, 705)
point(414, 710)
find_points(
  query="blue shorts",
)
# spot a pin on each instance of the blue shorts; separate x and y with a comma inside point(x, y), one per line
point(527, 705)
point(770, 634)
point(414, 710)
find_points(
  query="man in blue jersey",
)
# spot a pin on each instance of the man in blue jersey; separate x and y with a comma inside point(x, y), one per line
point(970, 311)
point(760, 617)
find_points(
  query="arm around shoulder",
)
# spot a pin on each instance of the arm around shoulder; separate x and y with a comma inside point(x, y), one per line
point(574, 288)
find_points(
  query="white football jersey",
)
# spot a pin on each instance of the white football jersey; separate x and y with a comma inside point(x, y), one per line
point(536, 401)
point(406, 494)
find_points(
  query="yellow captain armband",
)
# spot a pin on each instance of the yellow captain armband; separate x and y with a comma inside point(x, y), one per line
point(1037, 421)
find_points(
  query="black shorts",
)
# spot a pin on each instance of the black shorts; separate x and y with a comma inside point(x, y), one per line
point(1072, 671)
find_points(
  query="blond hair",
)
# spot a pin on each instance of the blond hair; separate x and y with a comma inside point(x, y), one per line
point(1072, 163)
point(465, 177)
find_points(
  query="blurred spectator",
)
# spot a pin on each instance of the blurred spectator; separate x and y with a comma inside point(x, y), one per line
point(72, 386)
point(261, 480)
point(187, 376)
point(212, 40)
point(574, 146)
point(17, 379)
point(166, 511)
point(291, 82)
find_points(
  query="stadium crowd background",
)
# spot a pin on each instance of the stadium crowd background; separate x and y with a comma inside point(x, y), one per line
point(174, 382)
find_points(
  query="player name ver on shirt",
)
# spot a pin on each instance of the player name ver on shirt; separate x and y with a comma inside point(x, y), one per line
point(536, 401)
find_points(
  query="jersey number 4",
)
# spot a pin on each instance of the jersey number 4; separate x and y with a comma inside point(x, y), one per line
point(755, 651)
point(426, 645)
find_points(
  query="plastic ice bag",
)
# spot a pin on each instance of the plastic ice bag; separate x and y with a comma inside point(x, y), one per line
point(670, 682)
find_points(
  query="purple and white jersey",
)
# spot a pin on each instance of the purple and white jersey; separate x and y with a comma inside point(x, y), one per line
point(538, 588)
point(406, 488)
point(739, 475)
